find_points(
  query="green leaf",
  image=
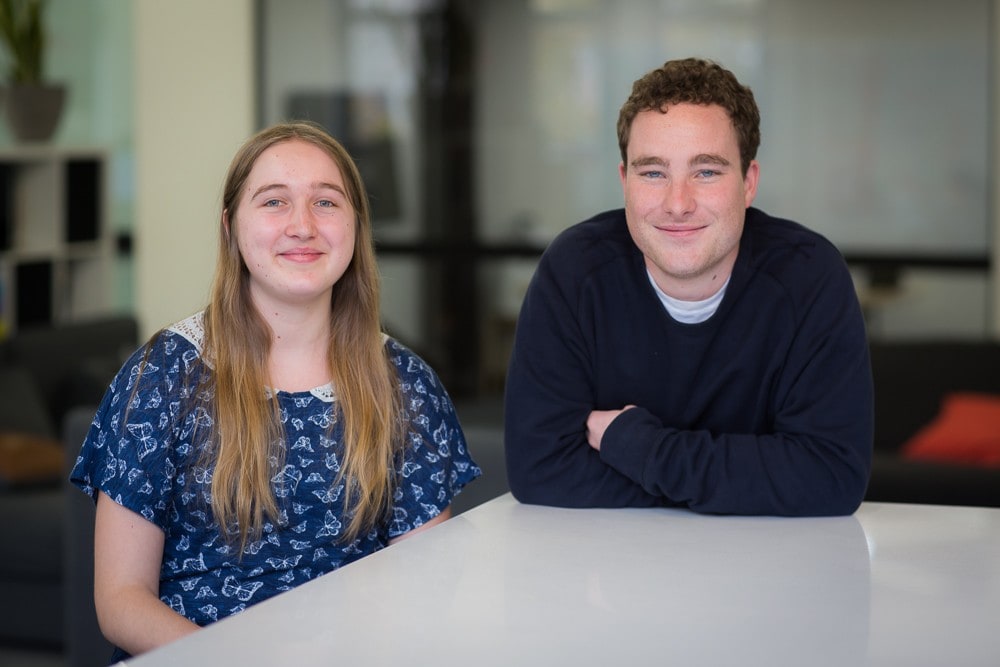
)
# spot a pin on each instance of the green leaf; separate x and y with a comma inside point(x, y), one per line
point(23, 35)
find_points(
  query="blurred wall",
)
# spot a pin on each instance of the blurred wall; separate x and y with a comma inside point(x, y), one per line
point(194, 105)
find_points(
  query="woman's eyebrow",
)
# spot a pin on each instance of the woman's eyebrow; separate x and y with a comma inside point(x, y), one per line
point(318, 185)
point(329, 186)
point(268, 188)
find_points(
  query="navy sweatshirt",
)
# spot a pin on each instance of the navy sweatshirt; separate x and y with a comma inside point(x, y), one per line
point(764, 408)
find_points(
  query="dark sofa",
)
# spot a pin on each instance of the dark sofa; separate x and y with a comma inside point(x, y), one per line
point(911, 379)
point(44, 373)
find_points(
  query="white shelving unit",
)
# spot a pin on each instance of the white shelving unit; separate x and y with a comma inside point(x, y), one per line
point(55, 251)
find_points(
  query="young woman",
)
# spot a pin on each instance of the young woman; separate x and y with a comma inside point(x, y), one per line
point(276, 435)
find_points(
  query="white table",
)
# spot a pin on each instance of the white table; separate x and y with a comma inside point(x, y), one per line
point(512, 584)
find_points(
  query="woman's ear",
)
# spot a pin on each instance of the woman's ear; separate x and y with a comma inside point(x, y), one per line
point(225, 223)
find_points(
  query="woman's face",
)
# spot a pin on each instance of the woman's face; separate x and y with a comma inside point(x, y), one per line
point(294, 226)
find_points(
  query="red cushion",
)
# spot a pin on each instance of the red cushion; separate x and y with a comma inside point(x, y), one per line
point(967, 430)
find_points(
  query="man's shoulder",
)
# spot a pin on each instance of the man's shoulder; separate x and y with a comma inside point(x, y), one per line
point(594, 241)
point(608, 225)
point(795, 260)
point(771, 237)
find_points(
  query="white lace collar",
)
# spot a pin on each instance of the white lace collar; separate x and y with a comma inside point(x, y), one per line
point(192, 329)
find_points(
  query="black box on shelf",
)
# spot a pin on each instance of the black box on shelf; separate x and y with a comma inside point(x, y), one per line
point(34, 293)
point(83, 200)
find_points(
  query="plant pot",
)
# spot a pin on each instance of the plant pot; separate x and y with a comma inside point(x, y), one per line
point(34, 110)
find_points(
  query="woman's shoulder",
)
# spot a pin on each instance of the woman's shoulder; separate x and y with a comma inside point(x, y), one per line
point(172, 349)
point(411, 366)
point(191, 329)
point(395, 348)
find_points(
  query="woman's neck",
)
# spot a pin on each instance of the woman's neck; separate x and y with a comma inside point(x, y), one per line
point(300, 341)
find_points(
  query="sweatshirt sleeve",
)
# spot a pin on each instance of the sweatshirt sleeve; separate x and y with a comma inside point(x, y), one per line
point(548, 395)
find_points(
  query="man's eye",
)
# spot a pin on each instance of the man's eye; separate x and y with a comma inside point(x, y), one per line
point(651, 174)
point(708, 173)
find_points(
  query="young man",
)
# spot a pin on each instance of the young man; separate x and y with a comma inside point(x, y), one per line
point(690, 350)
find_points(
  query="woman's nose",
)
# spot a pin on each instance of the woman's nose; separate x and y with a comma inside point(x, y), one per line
point(301, 223)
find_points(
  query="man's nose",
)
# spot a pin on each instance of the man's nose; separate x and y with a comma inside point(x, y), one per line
point(678, 200)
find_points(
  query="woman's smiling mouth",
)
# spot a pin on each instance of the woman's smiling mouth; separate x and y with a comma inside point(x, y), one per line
point(301, 255)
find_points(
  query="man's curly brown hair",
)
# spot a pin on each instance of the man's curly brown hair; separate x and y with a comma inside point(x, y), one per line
point(694, 81)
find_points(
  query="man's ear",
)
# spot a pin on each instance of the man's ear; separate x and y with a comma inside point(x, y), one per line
point(750, 182)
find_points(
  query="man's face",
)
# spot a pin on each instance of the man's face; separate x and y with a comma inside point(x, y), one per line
point(686, 197)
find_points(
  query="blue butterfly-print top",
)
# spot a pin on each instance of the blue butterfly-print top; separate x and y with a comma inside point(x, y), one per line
point(144, 451)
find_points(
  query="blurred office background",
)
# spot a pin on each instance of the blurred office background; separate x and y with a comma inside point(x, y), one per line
point(484, 127)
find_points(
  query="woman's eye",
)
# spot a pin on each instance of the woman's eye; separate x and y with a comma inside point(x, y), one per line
point(326, 203)
point(272, 202)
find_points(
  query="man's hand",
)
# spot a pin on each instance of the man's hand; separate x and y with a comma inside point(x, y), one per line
point(598, 422)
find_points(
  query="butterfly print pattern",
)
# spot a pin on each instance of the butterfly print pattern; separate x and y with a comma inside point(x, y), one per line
point(143, 450)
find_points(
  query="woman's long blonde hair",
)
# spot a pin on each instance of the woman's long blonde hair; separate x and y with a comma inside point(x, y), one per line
point(247, 437)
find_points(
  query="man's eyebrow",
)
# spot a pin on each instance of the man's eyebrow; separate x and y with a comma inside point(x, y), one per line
point(645, 161)
point(709, 158)
point(701, 158)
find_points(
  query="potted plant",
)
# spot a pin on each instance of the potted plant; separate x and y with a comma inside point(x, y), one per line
point(33, 104)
